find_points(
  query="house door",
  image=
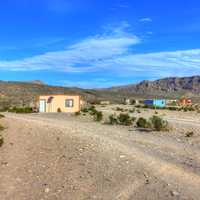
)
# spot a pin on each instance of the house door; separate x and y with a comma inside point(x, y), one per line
point(42, 106)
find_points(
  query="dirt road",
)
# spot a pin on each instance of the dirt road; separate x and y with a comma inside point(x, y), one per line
point(62, 157)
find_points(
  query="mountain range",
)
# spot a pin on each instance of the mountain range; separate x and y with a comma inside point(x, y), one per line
point(26, 93)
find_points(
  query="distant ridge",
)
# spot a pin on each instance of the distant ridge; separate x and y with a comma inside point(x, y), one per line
point(26, 93)
point(172, 87)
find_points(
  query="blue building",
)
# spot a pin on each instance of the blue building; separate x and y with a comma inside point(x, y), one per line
point(161, 103)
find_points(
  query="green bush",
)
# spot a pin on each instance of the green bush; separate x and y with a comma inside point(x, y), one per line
point(21, 110)
point(1, 128)
point(189, 134)
point(98, 116)
point(158, 124)
point(77, 113)
point(1, 141)
point(113, 120)
point(142, 123)
point(119, 109)
point(125, 119)
point(4, 109)
point(84, 110)
point(1, 116)
point(132, 110)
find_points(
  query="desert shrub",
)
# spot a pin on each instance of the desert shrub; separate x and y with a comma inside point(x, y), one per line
point(20, 110)
point(113, 120)
point(172, 108)
point(119, 109)
point(98, 116)
point(4, 109)
point(142, 123)
point(125, 119)
point(189, 134)
point(158, 124)
point(185, 109)
point(92, 110)
point(138, 111)
point(1, 128)
point(84, 110)
point(1, 116)
point(77, 113)
point(132, 110)
point(1, 141)
point(133, 119)
point(133, 102)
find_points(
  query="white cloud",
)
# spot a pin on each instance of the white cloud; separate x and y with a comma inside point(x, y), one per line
point(80, 57)
point(111, 54)
point(146, 19)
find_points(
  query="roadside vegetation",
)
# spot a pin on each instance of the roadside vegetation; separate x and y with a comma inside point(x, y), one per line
point(124, 118)
point(1, 129)
point(155, 123)
point(20, 110)
point(121, 119)
point(172, 108)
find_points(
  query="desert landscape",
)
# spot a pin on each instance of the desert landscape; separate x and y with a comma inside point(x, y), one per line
point(99, 100)
point(63, 156)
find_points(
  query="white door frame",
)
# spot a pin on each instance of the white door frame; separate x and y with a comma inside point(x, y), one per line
point(44, 103)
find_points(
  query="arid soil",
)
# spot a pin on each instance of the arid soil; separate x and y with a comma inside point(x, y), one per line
point(61, 157)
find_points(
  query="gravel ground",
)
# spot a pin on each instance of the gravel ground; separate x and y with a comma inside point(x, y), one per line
point(62, 157)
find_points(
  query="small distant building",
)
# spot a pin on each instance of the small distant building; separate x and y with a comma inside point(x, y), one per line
point(172, 102)
point(161, 103)
point(185, 102)
point(59, 103)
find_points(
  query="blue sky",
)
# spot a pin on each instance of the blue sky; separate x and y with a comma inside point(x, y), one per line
point(98, 43)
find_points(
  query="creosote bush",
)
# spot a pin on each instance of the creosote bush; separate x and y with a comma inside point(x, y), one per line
point(113, 120)
point(1, 141)
point(125, 119)
point(77, 113)
point(189, 134)
point(122, 119)
point(1, 138)
point(1, 116)
point(158, 124)
point(98, 116)
point(142, 123)
point(21, 110)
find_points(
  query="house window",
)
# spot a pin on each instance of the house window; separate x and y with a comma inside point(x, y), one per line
point(69, 103)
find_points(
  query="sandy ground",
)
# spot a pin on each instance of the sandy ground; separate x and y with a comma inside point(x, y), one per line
point(60, 157)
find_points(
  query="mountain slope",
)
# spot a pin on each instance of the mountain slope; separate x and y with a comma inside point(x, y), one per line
point(26, 93)
point(167, 87)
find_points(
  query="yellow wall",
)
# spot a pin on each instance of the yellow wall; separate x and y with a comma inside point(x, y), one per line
point(59, 102)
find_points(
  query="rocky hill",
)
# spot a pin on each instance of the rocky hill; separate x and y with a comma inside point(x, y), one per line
point(26, 93)
point(172, 87)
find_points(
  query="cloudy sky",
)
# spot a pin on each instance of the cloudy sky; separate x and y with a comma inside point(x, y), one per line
point(98, 43)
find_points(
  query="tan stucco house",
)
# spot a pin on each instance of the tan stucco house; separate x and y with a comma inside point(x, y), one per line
point(59, 103)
